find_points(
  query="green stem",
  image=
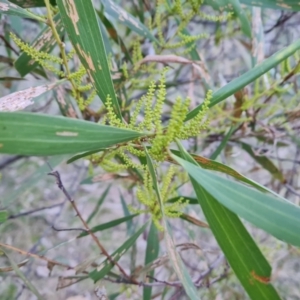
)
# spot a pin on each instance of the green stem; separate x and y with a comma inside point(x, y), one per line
point(61, 45)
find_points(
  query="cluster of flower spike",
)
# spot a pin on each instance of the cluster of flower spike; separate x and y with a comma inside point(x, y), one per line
point(147, 196)
point(48, 61)
point(185, 12)
point(162, 136)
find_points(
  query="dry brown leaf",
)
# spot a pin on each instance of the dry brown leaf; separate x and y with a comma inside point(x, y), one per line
point(21, 99)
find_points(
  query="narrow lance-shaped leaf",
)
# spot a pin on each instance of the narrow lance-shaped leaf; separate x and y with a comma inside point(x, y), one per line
point(99, 203)
point(108, 225)
point(152, 251)
point(44, 42)
point(210, 164)
point(3, 216)
point(129, 223)
point(174, 257)
point(8, 8)
point(106, 266)
point(243, 255)
point(21, 99)
point(193, 220)
point(248, 77)
point(37, 134)
point(274, 215)
point(31, 3)
point(81, 24)
point(223, 144)
point(84, 154)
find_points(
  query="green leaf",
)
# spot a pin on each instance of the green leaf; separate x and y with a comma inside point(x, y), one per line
point(18, 272)
point(223, 143)
point(117, 13)
point(36, 134)
point(8, 8)
point(248, 77)
point(274, 215)
point(209, 164)
point(265, 162)
point(190, 200)
point(99, 203)
point(152, 251)
point(108, 225)
point(106, 266)
point(81, 24)
point(193, 220)
point(84, 154)
point(31, 3)
point(32, 181)
point(242, 253)
point(3, 216)
point(282, 5)
point(129, 223)
point(44, 42)
point(174, 257)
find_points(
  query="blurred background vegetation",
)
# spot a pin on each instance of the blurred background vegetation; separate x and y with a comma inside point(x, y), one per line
point(204, 47)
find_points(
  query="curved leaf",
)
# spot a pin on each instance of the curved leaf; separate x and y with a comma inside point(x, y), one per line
point(210, 164)
point(238, 246)
point(37, 134)
point(81, 24)
point(31, 3)
point(279, 218)
point(107, 225)
point(248, 77)
point(106, 266)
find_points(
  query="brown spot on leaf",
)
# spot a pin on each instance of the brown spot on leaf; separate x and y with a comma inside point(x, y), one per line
point(72, 11)
point(201, 160)
point(1, 145)
point(87, 58)
point(66, 133)
point(262, 279)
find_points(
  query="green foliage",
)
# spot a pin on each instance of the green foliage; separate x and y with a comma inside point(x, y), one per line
point(142, 79)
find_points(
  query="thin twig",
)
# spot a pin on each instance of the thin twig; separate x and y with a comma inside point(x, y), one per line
point(197, 282)
point(33, 211)
point(50, 261)
point(102, 249)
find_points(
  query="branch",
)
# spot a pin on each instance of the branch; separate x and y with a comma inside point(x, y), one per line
point(33, 211)
point(48, 260)
point(102, 249)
